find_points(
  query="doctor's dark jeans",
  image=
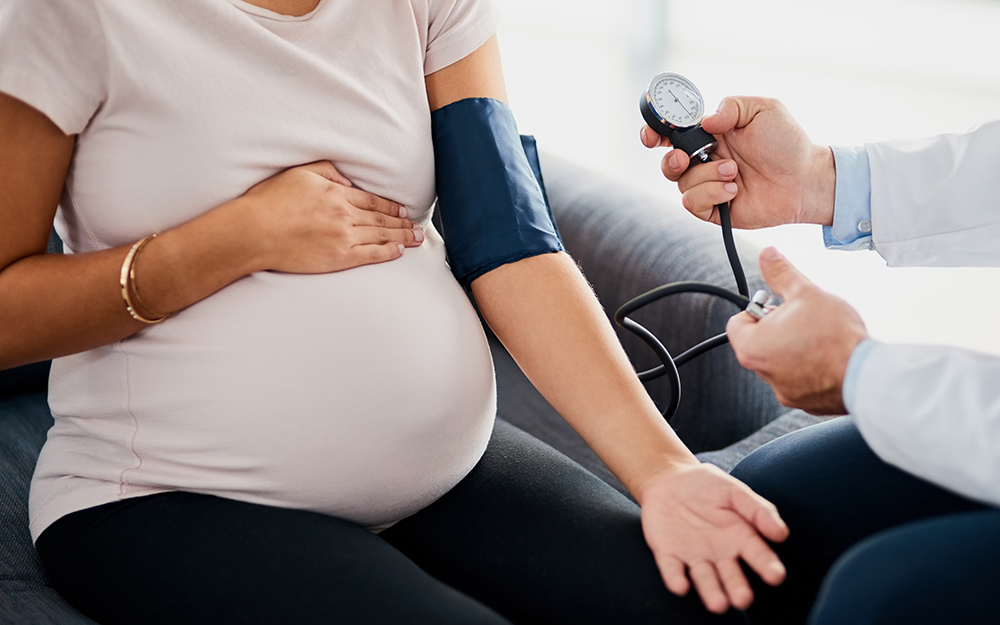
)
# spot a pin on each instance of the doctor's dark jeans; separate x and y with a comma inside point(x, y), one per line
point(870, 544)
point(527, 537)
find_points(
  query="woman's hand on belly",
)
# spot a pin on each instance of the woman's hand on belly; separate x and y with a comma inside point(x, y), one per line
point(309, 219)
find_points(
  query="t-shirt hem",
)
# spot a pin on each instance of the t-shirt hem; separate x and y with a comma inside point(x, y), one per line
point(82, 499)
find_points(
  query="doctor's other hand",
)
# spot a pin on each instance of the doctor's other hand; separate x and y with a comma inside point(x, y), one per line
point(765, 167)
point(802, 347)
point(700, 523)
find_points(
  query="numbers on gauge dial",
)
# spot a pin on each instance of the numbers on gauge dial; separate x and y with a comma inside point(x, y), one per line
point(677, 100)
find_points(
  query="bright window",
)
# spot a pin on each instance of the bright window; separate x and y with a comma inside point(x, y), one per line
point(851, 71)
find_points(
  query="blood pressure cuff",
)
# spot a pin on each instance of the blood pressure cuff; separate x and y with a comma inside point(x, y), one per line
point(491, 202)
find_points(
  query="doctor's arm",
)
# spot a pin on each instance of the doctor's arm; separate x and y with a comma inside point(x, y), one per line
point(545, 313)
point(932, 202)
point(932, 411)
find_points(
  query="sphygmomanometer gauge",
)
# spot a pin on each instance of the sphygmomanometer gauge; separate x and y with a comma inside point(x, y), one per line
point(673, 107)
point(672, 101)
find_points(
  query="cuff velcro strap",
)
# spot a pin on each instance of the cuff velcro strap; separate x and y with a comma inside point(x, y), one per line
point(492, 206)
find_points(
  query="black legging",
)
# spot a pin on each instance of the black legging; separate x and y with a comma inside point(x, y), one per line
point(870, 544)
point(528, 537)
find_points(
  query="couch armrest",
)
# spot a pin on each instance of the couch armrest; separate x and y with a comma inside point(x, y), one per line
point(628, 242)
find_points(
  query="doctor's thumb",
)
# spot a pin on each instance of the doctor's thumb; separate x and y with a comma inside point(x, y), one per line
point(779, 274)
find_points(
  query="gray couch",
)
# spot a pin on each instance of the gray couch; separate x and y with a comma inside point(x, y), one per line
point(625, 242)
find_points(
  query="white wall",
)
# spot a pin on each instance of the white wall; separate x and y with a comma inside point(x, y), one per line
point(851, 71)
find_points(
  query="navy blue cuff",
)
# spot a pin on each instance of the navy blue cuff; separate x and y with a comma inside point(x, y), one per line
point(491, 202)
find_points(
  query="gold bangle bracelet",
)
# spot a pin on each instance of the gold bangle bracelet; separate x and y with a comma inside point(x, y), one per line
point(129, 294)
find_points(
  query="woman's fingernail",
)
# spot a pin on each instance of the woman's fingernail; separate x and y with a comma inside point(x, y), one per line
point(730, 187)
point(672, 160)
point(403, 212)
point(418, 233)
point(727, 169)
point(401, 247)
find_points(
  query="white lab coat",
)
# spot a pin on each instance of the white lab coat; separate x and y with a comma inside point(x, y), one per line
point(935, 411)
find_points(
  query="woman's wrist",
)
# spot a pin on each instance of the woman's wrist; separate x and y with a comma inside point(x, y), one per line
point(188, 263)
point(248, 239)
point(647, 449)
point(669, 467)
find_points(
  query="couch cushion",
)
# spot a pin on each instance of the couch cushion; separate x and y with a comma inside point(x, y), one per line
point(25, 597)
point(24, 420)
point(32, 604)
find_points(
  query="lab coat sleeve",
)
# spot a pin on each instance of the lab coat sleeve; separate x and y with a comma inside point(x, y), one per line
point(936, 201)
point(934, 412)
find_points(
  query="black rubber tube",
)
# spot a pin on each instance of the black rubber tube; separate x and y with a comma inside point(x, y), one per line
point(730, 243)
point(702, 144)
point(669, 366)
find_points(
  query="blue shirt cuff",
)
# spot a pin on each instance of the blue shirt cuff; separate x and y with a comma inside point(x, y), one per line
point(854, 365)
point(852, 207)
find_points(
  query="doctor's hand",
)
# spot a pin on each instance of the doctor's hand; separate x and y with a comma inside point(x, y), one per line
point(802, 347)
point(766, 168)
point(700, 523)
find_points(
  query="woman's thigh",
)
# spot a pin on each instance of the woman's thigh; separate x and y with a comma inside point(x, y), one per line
point(940, 570)
point(833, 491)
point(186, 558)
point(541, 540)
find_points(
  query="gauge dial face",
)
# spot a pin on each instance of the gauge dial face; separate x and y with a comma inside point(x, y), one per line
point(676, 100)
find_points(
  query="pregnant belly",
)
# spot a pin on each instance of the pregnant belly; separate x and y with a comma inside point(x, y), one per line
point(365, 394)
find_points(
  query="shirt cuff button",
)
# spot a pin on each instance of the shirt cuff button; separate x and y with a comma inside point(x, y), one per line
point(865, 226)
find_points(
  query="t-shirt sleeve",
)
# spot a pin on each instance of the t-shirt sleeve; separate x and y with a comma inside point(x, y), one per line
point(53, 57)
point(457, 28)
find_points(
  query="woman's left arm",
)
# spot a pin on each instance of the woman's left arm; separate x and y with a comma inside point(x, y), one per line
point(698, 521)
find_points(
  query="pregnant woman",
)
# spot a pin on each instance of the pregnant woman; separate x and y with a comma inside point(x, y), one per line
point(279, 409)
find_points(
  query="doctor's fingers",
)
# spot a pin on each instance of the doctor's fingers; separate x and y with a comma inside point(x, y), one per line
point(723, 171)
point(781, 275)
point(743, 332)
point(652, 139)
point(674, 164)
point(738, 112)
point(701, 200)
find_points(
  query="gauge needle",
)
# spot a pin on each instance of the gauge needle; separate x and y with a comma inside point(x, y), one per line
point(677, 100)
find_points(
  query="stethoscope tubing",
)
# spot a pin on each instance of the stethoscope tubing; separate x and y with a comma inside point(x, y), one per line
point(669, 364)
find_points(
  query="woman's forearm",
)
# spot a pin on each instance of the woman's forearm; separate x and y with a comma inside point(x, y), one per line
point(60, 304)
point(546, 315)
point(53, 305)
point(306, 219)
